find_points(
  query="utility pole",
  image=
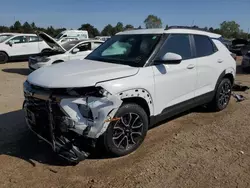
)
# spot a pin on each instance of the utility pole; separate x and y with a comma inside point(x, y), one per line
point(192, 23)
point(247, 33)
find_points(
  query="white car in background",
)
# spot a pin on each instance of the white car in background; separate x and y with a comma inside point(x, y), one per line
point(21, 46)
point(67, 39)
point(76, 49)
point(81, 34)
point(104, 38)
point(5, 35)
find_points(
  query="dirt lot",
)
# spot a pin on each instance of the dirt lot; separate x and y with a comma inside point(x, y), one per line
point(198, 149)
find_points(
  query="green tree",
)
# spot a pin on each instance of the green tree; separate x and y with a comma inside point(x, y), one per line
point(4, 29)
point(17, 27)
point(229, 28)
point(51, 31)
point(211, 29)
point(218, 31)
point(27, 28)
point(153, 21)
point(91, 30)
point(128, 26)
point(107, 30)
point(118, 28)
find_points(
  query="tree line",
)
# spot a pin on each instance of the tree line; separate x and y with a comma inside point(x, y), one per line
point(228, 29)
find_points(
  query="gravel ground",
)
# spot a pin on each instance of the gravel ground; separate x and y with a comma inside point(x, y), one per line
point(196, 149)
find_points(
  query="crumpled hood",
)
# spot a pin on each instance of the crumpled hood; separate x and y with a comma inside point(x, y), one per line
point(79, 73)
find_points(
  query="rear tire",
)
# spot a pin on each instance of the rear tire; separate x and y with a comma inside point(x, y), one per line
point(4, 58)
point(222, 96)
point(125, 135)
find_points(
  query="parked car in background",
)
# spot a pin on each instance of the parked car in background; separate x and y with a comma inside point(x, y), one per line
point(245, 49)
point(104, 38)
point(76, 49)
point(237, 45)
point(5, 35)
point(146, 77)
point(81, 34)
point(66, 39)
point(21, 46)
point(245, 64)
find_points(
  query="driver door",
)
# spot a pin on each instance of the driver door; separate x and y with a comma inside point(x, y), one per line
point(84, 50)
point(19, 46)
point(175, 83)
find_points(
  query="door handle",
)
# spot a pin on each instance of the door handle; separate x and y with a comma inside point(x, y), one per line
point(220, 61)
point(191, 66)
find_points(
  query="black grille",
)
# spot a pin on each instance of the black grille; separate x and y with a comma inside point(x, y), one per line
point(40, 109)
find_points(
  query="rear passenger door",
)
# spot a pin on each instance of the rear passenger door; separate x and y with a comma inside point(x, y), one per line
point(33, 45)
point(208, 64)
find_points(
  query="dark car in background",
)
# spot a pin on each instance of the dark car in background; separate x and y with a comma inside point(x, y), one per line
point(238, 45)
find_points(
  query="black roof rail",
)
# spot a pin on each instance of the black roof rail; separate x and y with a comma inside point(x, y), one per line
point(186, 27)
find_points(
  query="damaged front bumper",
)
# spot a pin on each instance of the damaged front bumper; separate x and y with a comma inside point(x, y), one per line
point(64, 121)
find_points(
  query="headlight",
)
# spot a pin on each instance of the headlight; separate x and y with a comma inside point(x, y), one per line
point(85, 111)
point(87, 91)
point(44, 59)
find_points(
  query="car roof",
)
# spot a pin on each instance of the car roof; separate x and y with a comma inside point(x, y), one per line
point(24, 34)
point(90, 40)
point(169, 31)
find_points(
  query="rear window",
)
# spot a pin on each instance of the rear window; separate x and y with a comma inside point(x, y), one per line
point(204, 46)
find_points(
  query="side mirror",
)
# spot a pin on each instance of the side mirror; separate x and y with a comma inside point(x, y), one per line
point(10, 43)
point(169, 58)
point(75, 50)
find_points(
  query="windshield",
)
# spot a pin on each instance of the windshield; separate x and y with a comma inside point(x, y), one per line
point(132, 50)
point(70, 44)
point(59, 36)
point(5, 37)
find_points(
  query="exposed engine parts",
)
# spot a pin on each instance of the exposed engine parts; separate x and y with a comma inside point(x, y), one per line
point(65, 121)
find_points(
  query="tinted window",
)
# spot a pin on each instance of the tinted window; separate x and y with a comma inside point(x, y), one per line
point(33, 39)
point(95, 45)
point(177, 43)
point(19, 39)
point(70, 44)
point(204, 46)
point(84, 47)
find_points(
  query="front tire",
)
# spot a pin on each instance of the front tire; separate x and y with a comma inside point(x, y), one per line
point(222, 95)
point(126, 134)
point(4, 58)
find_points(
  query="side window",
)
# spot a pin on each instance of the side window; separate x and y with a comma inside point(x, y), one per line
point(177, 43)
point(19, 39)
point(33, 39)
point(84, 47)
point(95, 45)
point(204, 46)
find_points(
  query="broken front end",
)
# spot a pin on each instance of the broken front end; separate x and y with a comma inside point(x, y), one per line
point(68, 118)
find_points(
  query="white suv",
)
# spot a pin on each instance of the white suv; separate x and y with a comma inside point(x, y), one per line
point(20, 46)
point(127, 84)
